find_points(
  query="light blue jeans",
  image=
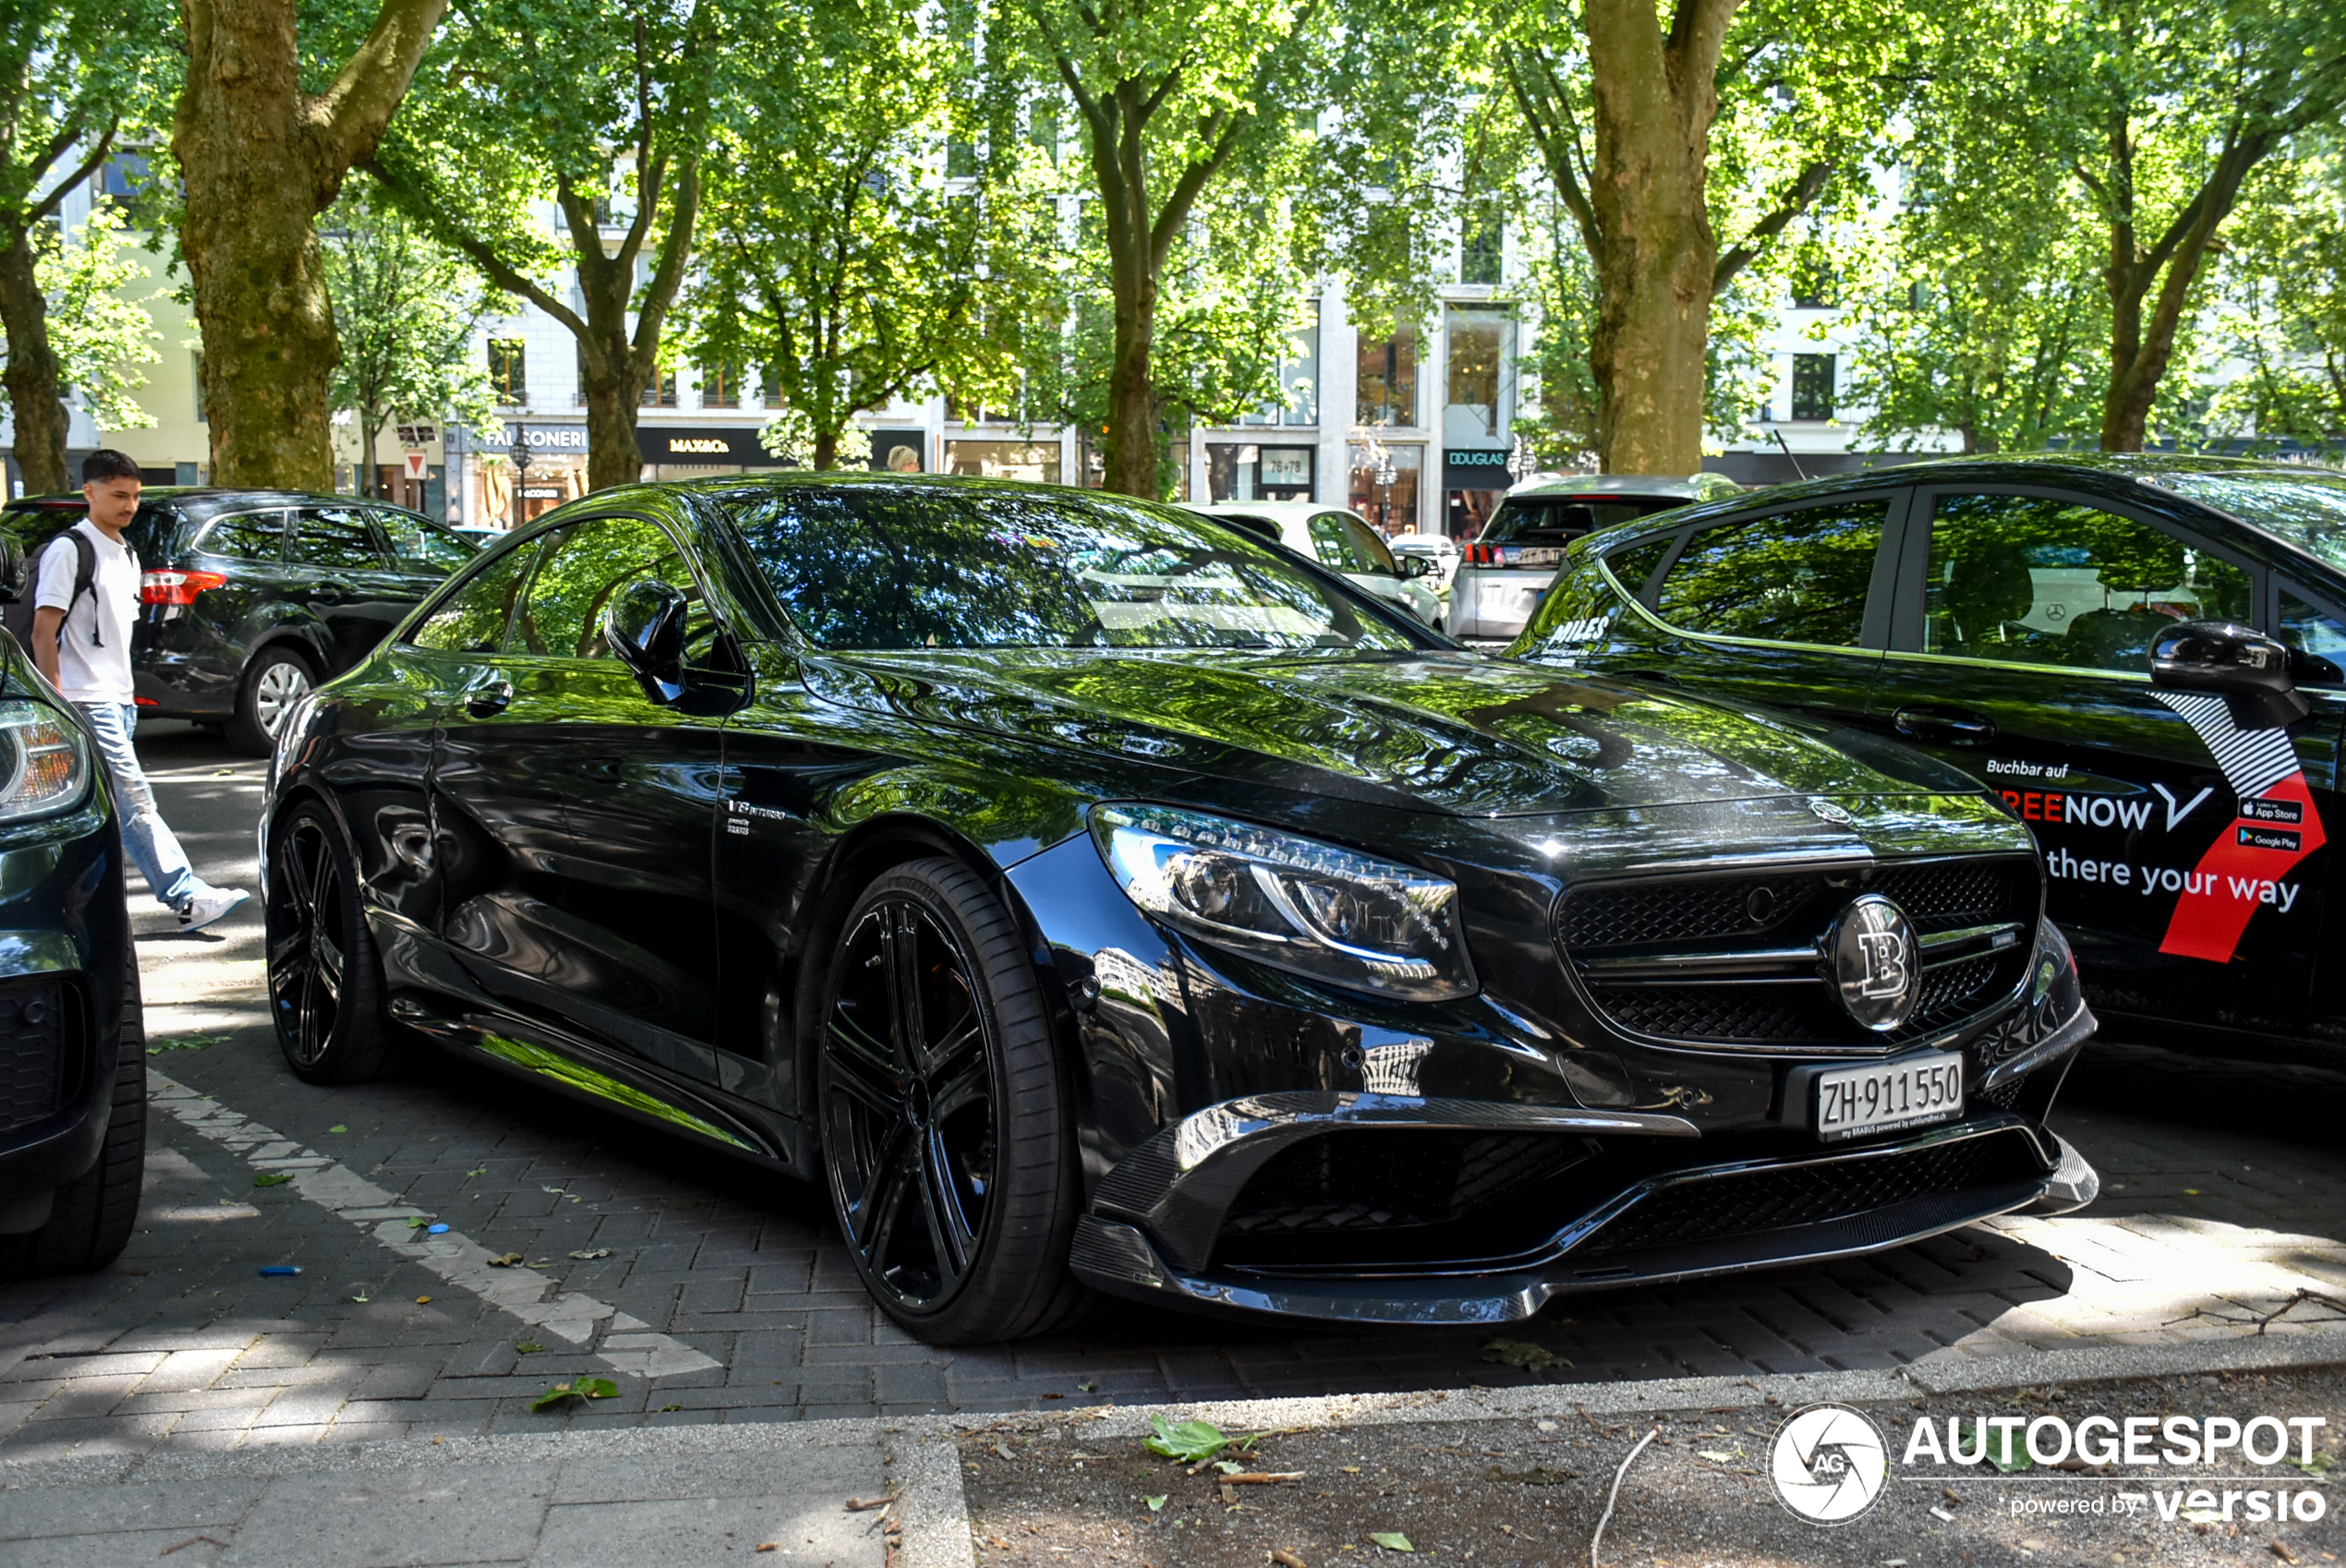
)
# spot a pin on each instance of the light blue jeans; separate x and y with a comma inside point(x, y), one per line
point(144, 833)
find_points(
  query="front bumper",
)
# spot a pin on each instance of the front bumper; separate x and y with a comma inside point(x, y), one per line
point(1645, 1199)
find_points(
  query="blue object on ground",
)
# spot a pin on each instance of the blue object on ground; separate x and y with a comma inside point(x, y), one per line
point(434, 1230)
point(275, 1271)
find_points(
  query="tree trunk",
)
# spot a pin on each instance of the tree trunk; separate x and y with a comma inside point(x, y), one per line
point(35, 400)
point(612, 397)
point(1654, 101)
point(1131, 392)
point(826, 449)
point(370, 429)
point(261, 159)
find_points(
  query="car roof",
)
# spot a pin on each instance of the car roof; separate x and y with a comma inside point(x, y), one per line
point(201, 498)
point(1672, 487)
point(1276, 510)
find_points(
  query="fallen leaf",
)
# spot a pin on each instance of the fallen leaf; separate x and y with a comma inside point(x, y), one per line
point(769, 1546)
point(1050, 1396)
point(507, 1261)
point(477, 1170)
point(527, 1346)
point(667, 1407)
point(2281, 1550)
point(421, 1300)
point(273, 1178)
point(1524, 1354)
point(1717, 1455)
point(865, 1505)
point(417, 1222)
point(362, 1300)
point(591, 1254)
point(2005, 1451)
point(1288, 1560)
point(1192, 1442)
point(337, 1127)
point(1089, 1388)
point(1156, 1504)
point(577, 1388)
point(1392, 1540)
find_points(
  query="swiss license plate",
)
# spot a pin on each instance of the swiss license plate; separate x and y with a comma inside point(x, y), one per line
point(1535, 555)
point(1854, 1102)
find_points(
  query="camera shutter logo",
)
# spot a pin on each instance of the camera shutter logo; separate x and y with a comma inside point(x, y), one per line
point(1829, 1464)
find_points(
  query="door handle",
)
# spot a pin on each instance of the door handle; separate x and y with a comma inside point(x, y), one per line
point(489, 700)
point(1944, 725)
point(330, 592)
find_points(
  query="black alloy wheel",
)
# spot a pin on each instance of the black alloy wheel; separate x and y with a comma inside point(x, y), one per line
point(325, 985)
point(274, 682)
point(948, 1135)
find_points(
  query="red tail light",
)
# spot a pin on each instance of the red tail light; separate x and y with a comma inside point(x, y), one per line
point(176, 587)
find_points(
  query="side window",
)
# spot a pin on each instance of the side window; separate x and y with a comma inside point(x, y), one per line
point(1344, 543)
point(418, 547)
point(1633, 567)
point(1789, 577)
point(256, 536)
point(580, 570)
point(2311, 630)
point(472, 616)
point(2044, 580)
point(336, 537)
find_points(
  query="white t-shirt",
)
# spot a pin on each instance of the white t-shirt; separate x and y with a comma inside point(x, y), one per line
point(88, 672)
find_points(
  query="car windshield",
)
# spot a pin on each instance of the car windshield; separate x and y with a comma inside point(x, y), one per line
point(1555, 520)
point(929, 565)
point(2305, 509)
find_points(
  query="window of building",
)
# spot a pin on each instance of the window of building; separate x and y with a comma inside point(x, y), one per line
point(720, 386)
point(2041, 580)
point(1812, 378)
point(1797, 576)
point(1384, 489)
point(661, 391)
point(1386, 385)
point(126, 174)
point(1299, 378)
point(771, 380)
point(961, 159)
point(1482, 345)
point(1481, 249)
point(509, 372)
point(1250, 471)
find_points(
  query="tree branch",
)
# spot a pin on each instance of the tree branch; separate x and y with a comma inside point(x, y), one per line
point(349, 116)
point(1805, 190)
point(500, 271)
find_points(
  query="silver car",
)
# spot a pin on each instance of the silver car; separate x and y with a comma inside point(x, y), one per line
point(1341, 542)
point(1502, 574)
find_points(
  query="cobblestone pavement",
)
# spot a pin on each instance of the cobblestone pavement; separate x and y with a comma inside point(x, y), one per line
point(725, 1297)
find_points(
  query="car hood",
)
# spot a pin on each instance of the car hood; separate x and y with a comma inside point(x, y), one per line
point(1453, 732)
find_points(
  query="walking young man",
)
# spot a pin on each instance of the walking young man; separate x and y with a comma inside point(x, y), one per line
point(82, 643)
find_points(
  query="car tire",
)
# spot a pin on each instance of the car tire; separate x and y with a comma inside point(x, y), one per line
point(276, 679)
point(325, 979)
point(92, 1216)
point(947, 1120)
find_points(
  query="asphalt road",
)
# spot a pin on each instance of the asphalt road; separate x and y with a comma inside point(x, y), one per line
point(705, 1290)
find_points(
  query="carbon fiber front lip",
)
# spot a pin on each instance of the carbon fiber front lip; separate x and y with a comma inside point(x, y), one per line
point(1117, 1257)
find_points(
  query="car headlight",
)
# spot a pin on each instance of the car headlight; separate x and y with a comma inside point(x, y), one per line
point(44, 760)
point(1293, 903)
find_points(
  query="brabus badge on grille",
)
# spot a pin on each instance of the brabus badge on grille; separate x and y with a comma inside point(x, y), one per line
point(1872, 961)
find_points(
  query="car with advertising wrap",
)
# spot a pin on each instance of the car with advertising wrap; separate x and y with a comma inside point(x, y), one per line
point(1098, 899)
point(73, 1058)
point(249, 598)
point(2140, 657)
point(1503, 572)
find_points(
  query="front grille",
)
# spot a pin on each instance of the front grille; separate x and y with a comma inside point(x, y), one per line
point(1727, 916)
point(37, 1071)
point(1811, 1194)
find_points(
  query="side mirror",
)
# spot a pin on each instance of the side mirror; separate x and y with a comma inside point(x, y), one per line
point(2248, 670)
point(12, 570)
point(1416, 566)
point(643, 625)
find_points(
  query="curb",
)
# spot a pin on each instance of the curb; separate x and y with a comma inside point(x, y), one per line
point(925, 1468)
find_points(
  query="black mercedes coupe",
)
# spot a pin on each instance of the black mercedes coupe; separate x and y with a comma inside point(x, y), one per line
point(1097, 900)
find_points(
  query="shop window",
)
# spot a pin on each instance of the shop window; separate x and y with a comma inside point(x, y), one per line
point(1384, 489)
point(1387, 382)
point(1812, 378)
point(1250, 471)
point(1481, 342)
point(1034, 461)
point(508, 372)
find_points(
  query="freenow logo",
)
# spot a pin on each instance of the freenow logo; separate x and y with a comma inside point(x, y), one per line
point(1828, 1463)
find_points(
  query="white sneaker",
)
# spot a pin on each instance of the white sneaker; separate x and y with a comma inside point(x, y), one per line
point(206, 907)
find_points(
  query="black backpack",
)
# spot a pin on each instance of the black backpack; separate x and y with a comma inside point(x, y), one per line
point(16, 612)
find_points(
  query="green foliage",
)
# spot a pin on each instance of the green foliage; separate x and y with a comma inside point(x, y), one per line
point(2282, 294)
point(1193, 1442)
point(404, 311)
point(841, 259)
point(100, 337)
point(580, 1388)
